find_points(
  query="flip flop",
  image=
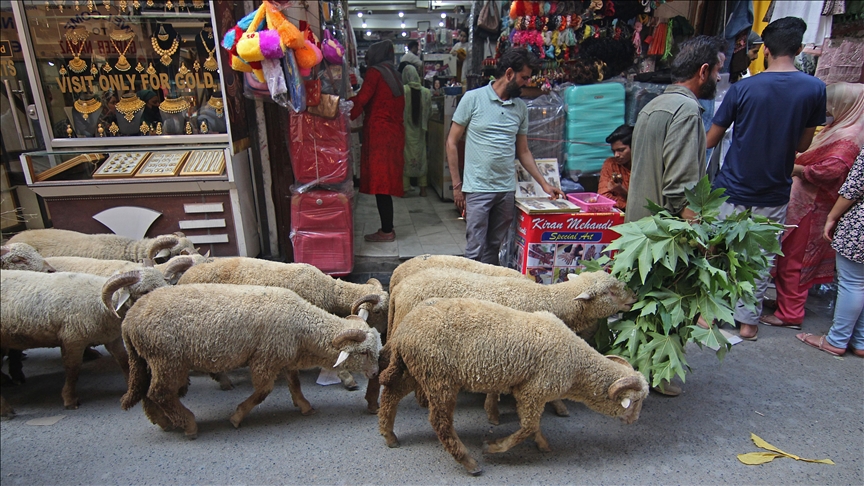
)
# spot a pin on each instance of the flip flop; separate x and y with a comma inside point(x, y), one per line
point(754, 337)
point(787, 325)
point(803, 337)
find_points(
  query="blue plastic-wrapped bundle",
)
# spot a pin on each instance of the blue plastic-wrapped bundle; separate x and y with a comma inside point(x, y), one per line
point(593, 112)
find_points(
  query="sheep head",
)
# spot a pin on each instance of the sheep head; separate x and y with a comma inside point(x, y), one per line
point(626, 395)
point(166, 246)
point(375, 312)
point(175, 267)
point(604, 294)
point(21, 256)
point(358, 349)
point(116, 282)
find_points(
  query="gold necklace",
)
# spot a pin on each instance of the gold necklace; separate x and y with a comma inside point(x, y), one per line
point(210, 63)
point(85, 107)
point(217, 105)
point(174, 105)
point(122, 63)
point(162, 35)
point(129, 106)
point(165, 53)
point(76, 38)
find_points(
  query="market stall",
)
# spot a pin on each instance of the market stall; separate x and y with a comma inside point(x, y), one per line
point(137, 120)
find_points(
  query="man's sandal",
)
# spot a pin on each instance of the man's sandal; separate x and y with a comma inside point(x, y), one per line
point(775, 321)
point(821, 345)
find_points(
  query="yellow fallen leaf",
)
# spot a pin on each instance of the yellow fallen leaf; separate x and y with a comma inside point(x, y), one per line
point(757, 458)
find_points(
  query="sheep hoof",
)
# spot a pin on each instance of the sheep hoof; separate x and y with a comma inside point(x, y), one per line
point(491, 447)
point(192, 436)
point(372, 409)
point(311, 411)
point(351, 387)
point(73, 406)
point(494, 420)
point(391, 440)
point(226, 386)
point(477, 471)
point(472, 467)
point(235, 421)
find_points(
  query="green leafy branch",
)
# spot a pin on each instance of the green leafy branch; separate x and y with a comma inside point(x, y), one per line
point(681, 270)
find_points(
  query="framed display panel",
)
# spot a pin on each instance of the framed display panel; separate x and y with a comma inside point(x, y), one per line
point(204, 162)
point(87, 59)
point(162, 164)
point(121, 164)
point(67, 165)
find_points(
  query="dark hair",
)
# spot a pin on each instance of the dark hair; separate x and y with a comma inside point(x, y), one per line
point(517, 59)
point(623, 134)
point(694, 54)
point(401, 66)
point(783, 36)
point(412, 44)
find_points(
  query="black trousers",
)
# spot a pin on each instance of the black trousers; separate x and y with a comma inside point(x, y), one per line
point(385, 211)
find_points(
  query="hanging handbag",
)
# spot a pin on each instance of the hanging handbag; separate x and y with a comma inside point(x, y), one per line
point(313, 92)
point(327, 108)
point(489, 18)
point(332, 49)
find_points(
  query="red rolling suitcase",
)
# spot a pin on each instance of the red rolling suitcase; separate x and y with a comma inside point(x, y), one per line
point(319, 209)
point(320, 148)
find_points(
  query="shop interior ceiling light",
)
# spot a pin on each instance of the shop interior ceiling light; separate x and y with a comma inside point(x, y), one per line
point(443, 15)
point(401, 14)
point(360, 14)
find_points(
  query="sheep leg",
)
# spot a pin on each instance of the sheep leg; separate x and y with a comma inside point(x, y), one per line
point(118, 351)
point(491, 407)
point(392, 394)
point(441, 409)
point(373, 389)
point(72, 355)
point(16, 366)
point(529, 419)
point(6, 411)
point(297, 397)
point(560, 408)
point(263, 381)
point(348, 380)
point(224, 381)
point(156, 415)
point(164, 392)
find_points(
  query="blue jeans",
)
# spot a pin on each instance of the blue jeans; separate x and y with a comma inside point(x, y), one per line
point(848, 328)
point(487, 219)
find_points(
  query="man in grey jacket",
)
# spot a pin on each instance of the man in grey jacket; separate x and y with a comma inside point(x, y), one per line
point(669, 138)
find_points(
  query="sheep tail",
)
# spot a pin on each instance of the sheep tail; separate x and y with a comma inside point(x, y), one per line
point(395, 369)
point(139, 377)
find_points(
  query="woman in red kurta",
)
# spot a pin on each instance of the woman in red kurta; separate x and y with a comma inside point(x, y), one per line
point(382, 101)
point(819, 172)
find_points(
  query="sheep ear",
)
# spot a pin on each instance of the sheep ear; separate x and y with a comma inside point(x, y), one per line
point(364, 314)
point(625, 403)
point(164, 253)
point(122, 297)
point(342, 357)
point(583, 295)
point(571, 276)
point(375, 282)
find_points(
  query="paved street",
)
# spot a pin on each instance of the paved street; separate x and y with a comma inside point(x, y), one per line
point(795, 397)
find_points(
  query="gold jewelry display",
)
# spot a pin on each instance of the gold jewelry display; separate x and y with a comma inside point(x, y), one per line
point(60, 4)
point(113, 129)
point(62, 71)
point(203, 128)
point(151, 70)
point(145, 128)
point(183, 70)
point(77, 7)
point(139, 67)
point(107, 4)
point(217, 105)
point(198, 3)
point(196, 65)
point(169, 5)
point(188, 128)
point(149, 3)
point(75, 38)
point(210, 63)
point(68, 130)
point(90, 5)
point(165, 53)
point(94, 70)
point(121, 164)
point(122, 63)
point(162, 164)
point(181, 3)
point(123, 5)
point(159, 128)
point(204, 162)
point(162, 35)
point(101, 130)
point(85, 107)
point(129, 106)
point(174, 105)
point(136, 4)
point(106, 67)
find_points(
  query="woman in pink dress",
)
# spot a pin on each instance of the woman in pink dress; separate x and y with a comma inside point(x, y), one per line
point(818, 174)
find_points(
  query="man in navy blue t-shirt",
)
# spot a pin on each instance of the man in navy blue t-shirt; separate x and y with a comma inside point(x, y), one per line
point(775, 114)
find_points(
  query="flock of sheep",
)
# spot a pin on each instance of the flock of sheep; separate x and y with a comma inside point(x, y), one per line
point(448, 324)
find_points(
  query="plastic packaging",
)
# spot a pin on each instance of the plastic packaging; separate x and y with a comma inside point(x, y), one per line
point(275, 81)
point(546, 117)
point(254, 89)
point(593, 112)
point(320, 148)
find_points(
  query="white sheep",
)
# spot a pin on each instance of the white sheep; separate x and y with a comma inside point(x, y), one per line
point(425, 262)
point(579, 302)
point(216, 328)
point(321, 290)
point(70, 310)
point(55, 242)
point(173, 269)
point(445, 346)
point(21, 256)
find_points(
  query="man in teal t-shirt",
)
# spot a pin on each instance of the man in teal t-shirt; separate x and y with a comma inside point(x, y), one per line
point(496, 121)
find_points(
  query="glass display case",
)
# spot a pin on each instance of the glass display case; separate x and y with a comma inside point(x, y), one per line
point(113, 71)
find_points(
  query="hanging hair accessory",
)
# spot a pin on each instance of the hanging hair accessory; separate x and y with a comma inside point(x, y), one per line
point(637, 40)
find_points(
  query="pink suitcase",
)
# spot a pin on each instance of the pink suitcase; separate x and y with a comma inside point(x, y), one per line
point(320, 148)
point(319, 209)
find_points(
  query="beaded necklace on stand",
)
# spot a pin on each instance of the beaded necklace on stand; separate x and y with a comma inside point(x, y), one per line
point(129, 106)
point(122, 63)
point(217, 104)
point(76, 38)
point(174, 105)
point(165, 54)
point(210, 63)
